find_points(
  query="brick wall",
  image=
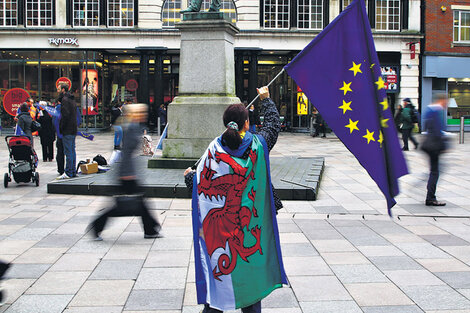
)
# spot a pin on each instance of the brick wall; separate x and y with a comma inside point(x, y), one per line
point(439, 27)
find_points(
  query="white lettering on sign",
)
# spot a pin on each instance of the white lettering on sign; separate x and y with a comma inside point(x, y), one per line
point(63, 41)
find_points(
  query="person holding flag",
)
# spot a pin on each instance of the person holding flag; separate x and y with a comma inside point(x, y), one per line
point(339, 72)
point(236, 241)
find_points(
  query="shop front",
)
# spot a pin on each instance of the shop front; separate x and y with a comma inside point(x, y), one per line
point(448, 75)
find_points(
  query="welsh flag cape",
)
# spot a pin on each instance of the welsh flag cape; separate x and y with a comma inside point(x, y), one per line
point(236, 240)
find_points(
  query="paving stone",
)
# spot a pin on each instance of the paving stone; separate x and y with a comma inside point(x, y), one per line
point(392, 263)
point(378, 251)
point(377, 294)
point(362, 236)
point(59, 283)
point(298, 249)
point(336, 258)
point(161, 299)
point(40, 304)
point(56, 240)
point(318, 288)
point(28, 233)
point(95, 309)
point(459, 280)
point(437, 298)
point(117, 269)
point(176, 258)
point(422, 251)
point(358, 273)
point(280, 298)
point(301, 266)
point(333, 246)
point(392, 309)
point(14, 288)
point(176, 243)
point(460, 252)
point(413, 278)
point(40, 255)
point(443, 265)
point(161, 278)
point(122, 252)
point(15, 246)
point(445, 240)
point(27, 270)
point(103, 293)
point(330, 307)
point(77, 262)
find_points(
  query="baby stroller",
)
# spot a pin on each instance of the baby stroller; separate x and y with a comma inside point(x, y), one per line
point(22, 162)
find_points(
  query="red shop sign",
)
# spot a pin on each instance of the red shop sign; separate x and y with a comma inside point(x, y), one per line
point(13, 99)
point(132, 85)
point(63, 80)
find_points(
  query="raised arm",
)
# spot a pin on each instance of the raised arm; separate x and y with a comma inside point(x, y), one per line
point(272, 122)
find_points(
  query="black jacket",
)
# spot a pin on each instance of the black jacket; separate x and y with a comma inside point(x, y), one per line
point(47, 131)
point(68, 120)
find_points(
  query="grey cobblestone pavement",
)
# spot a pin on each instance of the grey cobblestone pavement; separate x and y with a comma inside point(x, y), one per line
point(342, 253)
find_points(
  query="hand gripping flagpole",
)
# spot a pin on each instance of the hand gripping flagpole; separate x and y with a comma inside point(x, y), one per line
point(249, 104)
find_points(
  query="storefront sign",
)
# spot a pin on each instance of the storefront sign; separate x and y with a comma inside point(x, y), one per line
point(390, 76)
point(13, 99)
point(302, 104)
point(63, 80)
point(132, 85)
point(63, 41)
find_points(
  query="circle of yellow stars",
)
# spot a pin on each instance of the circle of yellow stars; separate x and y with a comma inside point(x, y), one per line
point(346, 106)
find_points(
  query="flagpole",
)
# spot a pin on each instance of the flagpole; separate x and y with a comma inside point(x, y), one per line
point(249, 104)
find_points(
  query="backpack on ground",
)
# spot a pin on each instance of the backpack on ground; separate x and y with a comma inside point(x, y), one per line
point(100, 160)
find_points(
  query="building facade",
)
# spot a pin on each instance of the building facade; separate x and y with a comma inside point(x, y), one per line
point(118, 50)
point(446, 57)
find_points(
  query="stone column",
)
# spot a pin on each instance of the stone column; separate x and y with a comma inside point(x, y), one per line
point(206, 84)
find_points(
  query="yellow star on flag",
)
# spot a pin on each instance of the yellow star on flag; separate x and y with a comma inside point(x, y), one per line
point(356, 68)
point(384, 104)
point(381, 139)
point(372, 65)
point(346, 87)
point(384, 121)
point(352, 126)
point(380, 83)
point(369, 136)
point(346, 106)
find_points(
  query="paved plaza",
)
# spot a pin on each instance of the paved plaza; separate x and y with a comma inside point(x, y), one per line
point(342, 253)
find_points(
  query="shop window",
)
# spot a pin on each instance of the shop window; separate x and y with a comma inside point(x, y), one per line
point(8, 13)
point(276, 14)
point(39, 13)
point(120, 13)
point(171, 13)
point(226, 6)
point(348, 2)
point(462, 26)
point(86, 13)
point(310, 14)
point(387, 15)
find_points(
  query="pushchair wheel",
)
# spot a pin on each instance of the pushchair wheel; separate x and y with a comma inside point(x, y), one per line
point(6, 179)
point(36, 178)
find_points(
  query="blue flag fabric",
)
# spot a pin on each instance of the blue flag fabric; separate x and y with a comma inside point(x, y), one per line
point(339, 72)
point(19, 131)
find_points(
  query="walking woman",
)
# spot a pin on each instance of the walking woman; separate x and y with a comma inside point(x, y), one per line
point(236, 241)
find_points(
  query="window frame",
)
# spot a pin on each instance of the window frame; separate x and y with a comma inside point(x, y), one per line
point(387, 16)
point(174, 16)
point(276, 14)
point(120, 19)
point(38, 18)
point(309, 21)
point(4, 18)
point(459, 26)
point(86, 13)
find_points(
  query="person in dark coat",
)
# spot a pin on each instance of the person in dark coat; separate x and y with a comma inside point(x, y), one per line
point(68, 128)
point(162, 114)
point(60, 156)
point(127, 173)
point(408, 125)
point(47, 135)
point(25, 120)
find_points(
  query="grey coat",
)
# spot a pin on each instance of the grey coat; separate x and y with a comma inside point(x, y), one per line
point(24, 121)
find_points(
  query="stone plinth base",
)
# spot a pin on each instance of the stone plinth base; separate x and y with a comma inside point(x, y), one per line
point(194, 121)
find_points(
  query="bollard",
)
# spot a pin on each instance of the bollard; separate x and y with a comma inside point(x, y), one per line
point(462, 128)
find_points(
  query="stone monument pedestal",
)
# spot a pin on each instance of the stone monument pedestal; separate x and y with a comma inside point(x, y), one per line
point(206, 84)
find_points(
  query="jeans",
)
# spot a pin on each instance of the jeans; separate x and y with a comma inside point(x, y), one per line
point(433, 176)
point(60, 156)
point(254, 308)
point(70, 156)
point(117, 135)
point(406, 133)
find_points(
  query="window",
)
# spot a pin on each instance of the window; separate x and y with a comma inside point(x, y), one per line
point(387, 15)
point(276, 14)
point(86, 13)
point(39, 13)
point(171, 13)
point(8, 13)
point(227, 6)
point(348, 2)
point(120, 13)
point(310, 14)
point(461, 26)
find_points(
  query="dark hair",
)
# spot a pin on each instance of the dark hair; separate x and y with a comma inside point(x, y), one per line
point(64, 87)
point(24, 107)
point(234, 113)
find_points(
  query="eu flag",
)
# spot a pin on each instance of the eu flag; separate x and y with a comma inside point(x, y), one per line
point(339, 72)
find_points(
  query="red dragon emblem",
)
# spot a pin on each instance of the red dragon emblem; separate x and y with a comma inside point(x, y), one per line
point(225, 225)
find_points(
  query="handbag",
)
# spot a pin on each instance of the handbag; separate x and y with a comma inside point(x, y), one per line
point(434, 144)
point(35, 126)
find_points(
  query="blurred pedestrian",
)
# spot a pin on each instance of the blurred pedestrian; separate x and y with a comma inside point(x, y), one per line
point(233, 205)
point(434, 144)
point(133, 203)
point(3, 268)
point(397, 117)
point(46, 133)
point(68, 128)
point(320, 126)
point(408, 123)
point(116, 113)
